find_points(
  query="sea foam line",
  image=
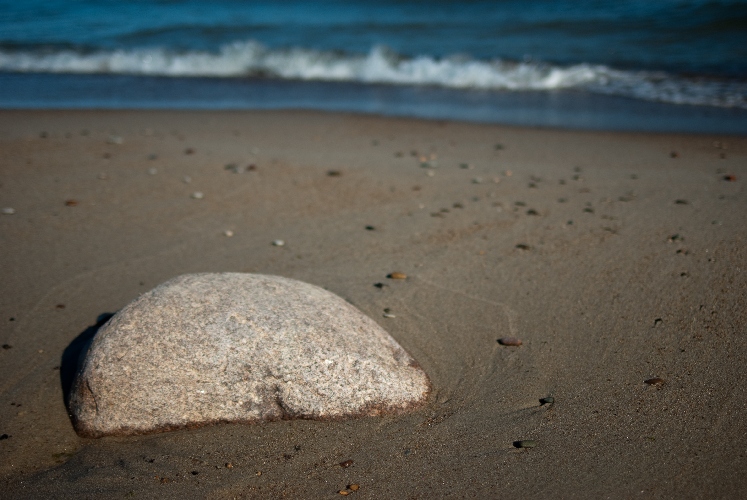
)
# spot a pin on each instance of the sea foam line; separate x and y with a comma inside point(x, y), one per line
point(381, 65)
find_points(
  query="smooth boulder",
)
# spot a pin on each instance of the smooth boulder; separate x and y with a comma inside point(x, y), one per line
point(235, 347)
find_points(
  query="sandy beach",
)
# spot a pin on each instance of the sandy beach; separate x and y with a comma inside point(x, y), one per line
point(616, 258)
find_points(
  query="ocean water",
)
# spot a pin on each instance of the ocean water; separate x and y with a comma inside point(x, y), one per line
point(629, 64)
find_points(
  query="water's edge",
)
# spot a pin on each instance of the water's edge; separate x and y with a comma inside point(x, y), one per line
point(558, 109)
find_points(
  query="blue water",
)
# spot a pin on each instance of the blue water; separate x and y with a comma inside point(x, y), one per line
point(689, 56)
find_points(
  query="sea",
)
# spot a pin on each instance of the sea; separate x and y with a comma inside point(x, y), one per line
point(642, 65)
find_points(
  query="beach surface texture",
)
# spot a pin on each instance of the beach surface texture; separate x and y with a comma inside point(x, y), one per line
point(577, 299)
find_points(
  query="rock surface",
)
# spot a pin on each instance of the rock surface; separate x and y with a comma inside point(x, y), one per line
point(234, 347)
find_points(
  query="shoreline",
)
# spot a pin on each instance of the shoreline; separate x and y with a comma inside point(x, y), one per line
point(565, 109)
point(615, 257)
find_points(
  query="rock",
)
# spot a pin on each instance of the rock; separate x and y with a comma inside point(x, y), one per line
point(510, 341)
point(525, 443)
point(234, 347)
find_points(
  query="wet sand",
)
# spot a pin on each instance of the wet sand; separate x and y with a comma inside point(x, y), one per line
point(615, 258)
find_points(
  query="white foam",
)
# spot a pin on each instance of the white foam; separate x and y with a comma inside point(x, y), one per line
point(380, 65)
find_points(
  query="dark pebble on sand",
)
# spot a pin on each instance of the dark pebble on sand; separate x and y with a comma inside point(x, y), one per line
point(3, 437)
point(532, 211)
point(547, 401)
point(380, 285)
point(674, 154)
point(655, 381)
point(71, 203)
point(510, 341)
point(525, 443)
point(346, 464)
point(370, 228)
point(334, 173)
point(194, 472)
point(681, 202)
point(523, 246)
point(189, 151)
point(658, 321)
point(60, 306)
point(730, 178)
point(589, 210)
point(7, 346)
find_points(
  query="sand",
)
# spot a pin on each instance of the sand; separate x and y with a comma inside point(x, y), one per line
point(613, 260)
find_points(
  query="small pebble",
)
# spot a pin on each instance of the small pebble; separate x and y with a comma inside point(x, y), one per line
point(523, 246)
point(547, 401)
point(228, 233)
point(730, 178)
point(71, 203)
point(354, 487)
point(8, 211)
point(7, 346)
point(4, 437)
point(345, 464)
point(532, 211)
point(198, 195)
point(656, 381)
point(658, 321)
point(229, 465)
point(466, 166)
point(380, 285)
point(681, 202)
point(278, 243)
point(510, 341)
point(60, 306)
point(525, 443)
point(152, 171)
point(389, 315)
point(370, 228)
point(344, 492)
point(189, 151)
point(334, 173)
point(674, 154)
point(397, 276)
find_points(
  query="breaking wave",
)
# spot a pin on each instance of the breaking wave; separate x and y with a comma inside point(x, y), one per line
point(381, 66)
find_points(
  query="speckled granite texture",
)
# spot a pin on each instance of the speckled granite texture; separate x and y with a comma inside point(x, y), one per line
point(234, 347)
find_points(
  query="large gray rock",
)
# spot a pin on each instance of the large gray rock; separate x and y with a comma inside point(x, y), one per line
point(233, 347)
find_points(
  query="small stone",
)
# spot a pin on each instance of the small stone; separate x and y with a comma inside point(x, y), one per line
point(681, 202)
point(523, 246)
point(525, 443)
point(674, 154)
point(229, 465)
point(3, 437)
point(658, 321)
point(152, 171)
point(466, 166)
point(278, 243)
point(8, 211)
point(656, 381)
point(344, 492)
point(730, 178)
point(7, 346)
point(380, 285)
point(510, 341)
point(228, 233)
point(532, 211)
point(189, 151)
point(60, 306)
point(354, 487)
point(547, 401)
point(71, 203)
point(334, 173)
point(198, 195)
point(370, 228)
point(389, 315)
point(345, 464)
point(396, 275)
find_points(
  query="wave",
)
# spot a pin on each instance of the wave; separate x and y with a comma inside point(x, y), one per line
point(381, 66)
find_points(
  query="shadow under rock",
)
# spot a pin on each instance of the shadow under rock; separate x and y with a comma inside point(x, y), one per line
point(74, 353)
